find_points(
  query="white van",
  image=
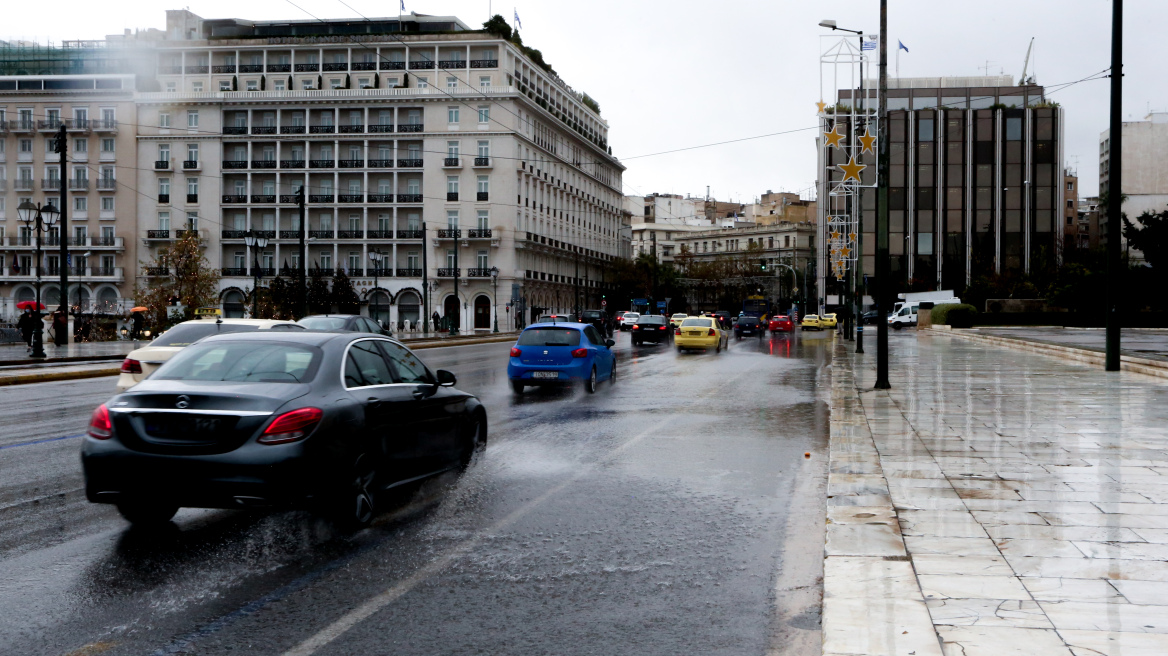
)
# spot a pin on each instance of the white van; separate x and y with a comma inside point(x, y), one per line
point(906, 316)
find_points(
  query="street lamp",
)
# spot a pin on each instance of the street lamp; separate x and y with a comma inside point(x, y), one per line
point(375, 256)
point(39, 219)
point(256, 242)
point(495, 285)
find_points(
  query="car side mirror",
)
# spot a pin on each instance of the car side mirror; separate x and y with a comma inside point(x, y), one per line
point(446, 379)
point(609, 343)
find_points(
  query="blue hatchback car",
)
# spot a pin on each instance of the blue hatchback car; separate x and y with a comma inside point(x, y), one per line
point(560, 354)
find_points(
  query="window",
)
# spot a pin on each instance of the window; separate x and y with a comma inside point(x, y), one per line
point(25, 146)
point(164, 220)
point(452, 114)
point(452, 184)
point(326, 260)
point(107, 203)
point(197, 86)
point(278, 85)
point(164, 120)
point(107, 145)
point(354, 262)
point(171, 87)
point(1070, 186)
point(79, 146)
point(192, 118)
point(1013, 129)
point(335, 83)
point(423, 82)
point(412, 260)
point(225, 85)
point(252, 85)
point(80, 204)
point(482, 258)
point(406, 365)
point(925, 129)
point(192, 186)
point(365, 366)
point(193, 152)
point(484, 114)
point(484, 80)
point(484, 185)
point(484, 220)
point(363, 83)
point(484, 149)
point(306, 84)
point(451, 82)
point(163, 186)
point(450, 259)
point(164, 152)
point(192, 220)
point(452, 149)
point(452, 220)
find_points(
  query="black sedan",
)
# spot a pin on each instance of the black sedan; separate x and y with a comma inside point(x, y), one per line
point(600, 320)
point(349, 322)
point(312, 419)
point(746, 326)
point(651, 328)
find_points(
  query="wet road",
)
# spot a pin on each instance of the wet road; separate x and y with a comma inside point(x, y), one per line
point(671, 512)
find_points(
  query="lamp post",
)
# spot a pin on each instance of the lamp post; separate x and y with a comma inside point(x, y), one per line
point(375, 256)
point(39, 219)
point(257, 243)
point(495, 296)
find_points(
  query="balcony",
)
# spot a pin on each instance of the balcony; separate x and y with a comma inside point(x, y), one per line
point(351, 234)
point(381, 127)
point(421, 65)
point(157, 270)
point(336, 66)
point(478, 273)
point(392, 65)
point(479, 233)
point(408, 273)
point(106, 273)
point(235, 129)
point(234, 198)
point(323, 271)
point(22, 125)
point(409, 234)
point(275, 68)
point(482, 196)
point(452, 162)
point(263, 163)
point(190, 164)
point(263, 129)
point(352, 198)
point(233, 234)
point(183, 234)
point(289, 234)
point(79, 184)
point(351, 163)
point(292, 129)
point(78, 124)
point(321, 163)
point(266, 234)
point(322, 129)
point(352, 129)
point(234, 164)
point(292, 163)
point(263, 198)
point(51, 183)
point(484, 63)
point(409, 163)
point(409, 127)
point(106, 184)
point(380, 234)
point(192, 198)
point(158, 234)
point(449, 233)
point(307, 68)
point(363, 66)
point(162, 165)
point(50, 125)
point(379, 272)
point(23, 184)
point(452, 63)
point(264, 271)
point(289, 198)
point(235, 272)
point(223, 68)
point(380, 198)
point(409, 198)
point(381, 163)
point(451, 196)
point(447, 273)
point(164, 198)
point(320, 234)
point(320, 198)
point(198, 70)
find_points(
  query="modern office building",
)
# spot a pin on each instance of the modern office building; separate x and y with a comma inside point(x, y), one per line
point(976, 182)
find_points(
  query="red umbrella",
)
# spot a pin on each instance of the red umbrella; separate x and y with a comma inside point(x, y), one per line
point(29, 305)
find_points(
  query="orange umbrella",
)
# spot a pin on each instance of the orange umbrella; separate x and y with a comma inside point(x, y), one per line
point(139, 309)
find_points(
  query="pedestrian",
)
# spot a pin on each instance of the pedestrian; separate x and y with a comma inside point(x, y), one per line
point(436, 319)
point(26, 323)
point(136, 325)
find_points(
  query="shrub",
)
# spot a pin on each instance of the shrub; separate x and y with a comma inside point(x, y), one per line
point(940, 312)
point(960, 316)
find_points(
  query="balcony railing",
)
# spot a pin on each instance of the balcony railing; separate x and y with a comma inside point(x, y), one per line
point(363, 66)
point(23, 184)
point(449, 233)
point(158, 234)
point(292, 163)
point(157, 270)
point(233, 234)
point(320, 198)
point(79, 183)
point(409, 234)
point(452, 161)
point(482, 196)
point(380, 234)
point(292, 129)
point(336, 66)
point(191, 164)
point(478, 273)
point(409, 198)
point(409, 163)
point(452, 63)
point(50, 124)
point(484, 63)
point(380, 198)
point(235, 271)
point(223, 68)
point(447, 273)
point(421, 65)
point(277, 68)
point(408, 273)
point(381, 163)
point(162, 165)
point(351, 163)
point(164, 198)
point(192, 198)
point(235, 164)
point(78, 123)
point(351, 234)
point(410, 127)
point(320, 234)
point(323, 271)
point(198, 70)
point(352, 198)
point(234, 198)
point(266, 234)
point(263, 198)
point(307, 68)
point(392, 65)
point(479, 233)
point(263, 163)
point(263, 129)
point(322, 129)
point(51, 183)
point(379, 271)
point(106, 184)
point(288, 198)
point(321, 163)
point(381, 127)
point(235, 129)
point(351, 129)
point(452, 195)
point(289, 234)
point(482, 161)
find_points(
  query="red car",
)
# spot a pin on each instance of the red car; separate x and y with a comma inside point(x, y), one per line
point(781, 323)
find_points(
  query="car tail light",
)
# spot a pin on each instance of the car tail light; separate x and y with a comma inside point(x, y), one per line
point(711, 333)
point(580, 353)
point(661, 328)
point(677, 331)
point(292, 426)
point(515, 352)
point(131, 366)
point(99, 424)
point(636, 326)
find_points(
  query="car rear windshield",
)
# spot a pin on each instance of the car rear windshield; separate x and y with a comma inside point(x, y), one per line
point(243, 361)
point(631, 315)
point(189, 333)
point(550, 337)
point(747, 321)
point(653, 319)
point(593, 314)
point(323, 323)
point(698, 323)
point(780, 318)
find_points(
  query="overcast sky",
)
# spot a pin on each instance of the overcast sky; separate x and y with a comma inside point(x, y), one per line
point(679, 73)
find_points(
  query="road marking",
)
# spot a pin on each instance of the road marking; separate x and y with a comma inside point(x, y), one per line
point(48, 439)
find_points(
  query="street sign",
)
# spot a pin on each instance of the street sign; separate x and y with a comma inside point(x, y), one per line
point(640, 301)
point(604, 304)
point(660, 305)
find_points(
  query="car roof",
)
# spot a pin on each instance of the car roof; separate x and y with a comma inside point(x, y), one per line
point(558, 324)
point(308, 337)
point(323, 316)
point(262, 323)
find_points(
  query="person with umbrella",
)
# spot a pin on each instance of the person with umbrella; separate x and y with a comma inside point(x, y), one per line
point(136, 320)
point(26, 324)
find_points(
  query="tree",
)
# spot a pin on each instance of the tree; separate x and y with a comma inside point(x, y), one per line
point(319, 297)
point(192, 281)
point(498, 26)
point(1150, 237)
point(344, 296)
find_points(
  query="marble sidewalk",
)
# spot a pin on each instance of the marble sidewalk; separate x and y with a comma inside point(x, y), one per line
point(995, 502)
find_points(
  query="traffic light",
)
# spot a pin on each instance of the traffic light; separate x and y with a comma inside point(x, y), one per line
point(762, 264)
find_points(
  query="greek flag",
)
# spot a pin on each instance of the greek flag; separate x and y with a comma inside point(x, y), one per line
point(902, 46)
point(518, 23)
point(403, 6)
point(868, 45)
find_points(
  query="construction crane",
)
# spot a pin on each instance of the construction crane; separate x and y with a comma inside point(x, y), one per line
point(1026, 64)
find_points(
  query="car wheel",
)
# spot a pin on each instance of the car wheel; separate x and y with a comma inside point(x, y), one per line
point(590, 384)
point(146, 513)
point(517, 387)
point(896, 326)
point(354, 507)
point(636, 343)
point(612, 373)
point(718, 347)
point(680, 350)
point(475, 440)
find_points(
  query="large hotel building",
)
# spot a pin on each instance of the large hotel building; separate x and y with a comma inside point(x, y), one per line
point(445, 152)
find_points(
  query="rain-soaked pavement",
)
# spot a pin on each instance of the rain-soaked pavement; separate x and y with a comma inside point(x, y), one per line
point(671, 512)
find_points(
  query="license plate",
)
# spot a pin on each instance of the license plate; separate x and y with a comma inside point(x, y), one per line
point(747, 332)
point(546, 374)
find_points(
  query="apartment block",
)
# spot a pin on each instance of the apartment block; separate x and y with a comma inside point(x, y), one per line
point(1145, 169)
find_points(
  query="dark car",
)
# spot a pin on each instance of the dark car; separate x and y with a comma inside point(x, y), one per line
point(599, 319)
point(723, 317)
point(747, 325)
point(347, 322)
point(651, 328)
point(254, 420)
point(869, 317)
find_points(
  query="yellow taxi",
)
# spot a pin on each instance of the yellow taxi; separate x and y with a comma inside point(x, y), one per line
point(827, 320)
point(811, 322)
point(700, 333)
point(676, 319)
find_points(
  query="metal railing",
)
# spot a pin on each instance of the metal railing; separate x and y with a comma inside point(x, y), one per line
point(381, 127)
point(235, 271)
point(380, 198)
point(292, 129)
point(263, 129)
point(292, 163)
point(479, 233)
point(190, 164)
point(162, 165)
point(235, 129)
point(330, 67)
point(235, 164)
point(408, 273)
point(307, 68)
point(322, 129)
point(352, 198)
point(409, 163)
point(452, 195)
point(482, 161)
point(192, 198)
point(321, 163)
point(363, 66)
point(233, 234)
point(392, 65)
point(409, 234)
point(447, 273)
point(409, 198)
point(351, 129)
point(482, 196)
point(419, 64)
point(320, 198)
point(449, 233)
point(351, 234)
point(263, 198)
point(255, 68)
point(158, 234)
point(320, 234)
point(381, 163)
point(484, 63)
point(351, 163)
point(289, 234)
point(157, 271)
point(452, 161)
point(410, 127)
point(380, 234)
point(478, 273)
point(277, 68)
point(263, 163)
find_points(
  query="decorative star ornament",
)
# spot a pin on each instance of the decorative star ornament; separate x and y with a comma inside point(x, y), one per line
point(834, 137)
point(835, 234)
point(846, 251)
point(819, 107)
point(868, 141)
point(852, 169)
point(851, 236)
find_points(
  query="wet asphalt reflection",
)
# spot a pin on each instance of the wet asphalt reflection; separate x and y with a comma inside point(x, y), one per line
point(671, 512)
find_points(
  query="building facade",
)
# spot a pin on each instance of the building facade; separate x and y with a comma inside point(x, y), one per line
point(1145, 169)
